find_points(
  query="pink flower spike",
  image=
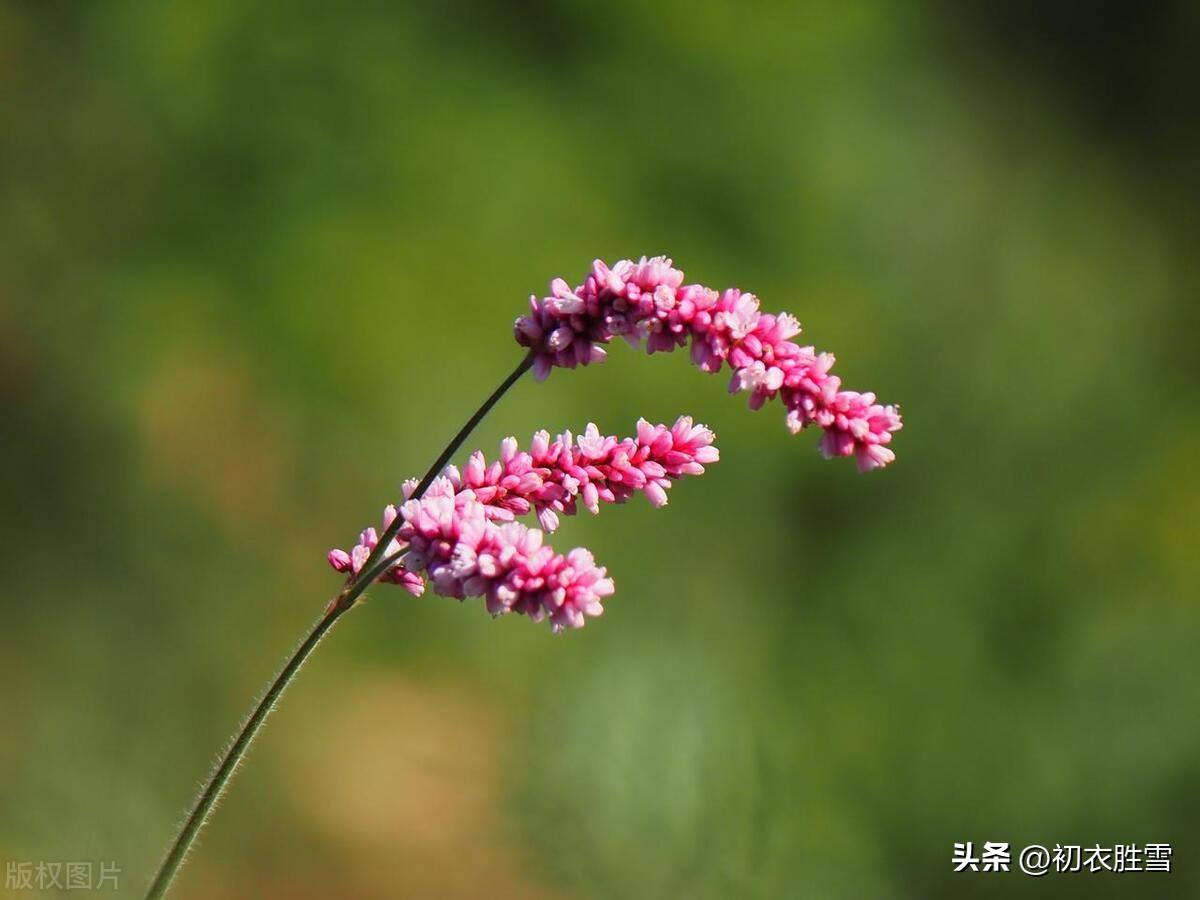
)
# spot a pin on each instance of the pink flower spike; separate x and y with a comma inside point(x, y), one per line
point(555, 476)
point(647, 303)
point(461, 535)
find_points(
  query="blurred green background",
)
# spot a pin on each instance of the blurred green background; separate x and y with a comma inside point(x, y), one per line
point(259, 261)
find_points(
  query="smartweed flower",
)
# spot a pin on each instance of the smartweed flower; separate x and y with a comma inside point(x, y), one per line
point(647, 304)
point(461, 533)
point(458, 530)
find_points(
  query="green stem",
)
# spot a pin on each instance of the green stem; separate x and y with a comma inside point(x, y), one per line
point(217, 783)
point(219, 779)
point(369, 567)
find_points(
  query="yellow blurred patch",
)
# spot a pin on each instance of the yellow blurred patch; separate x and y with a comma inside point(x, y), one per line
point(207, 433)
point(412, 776)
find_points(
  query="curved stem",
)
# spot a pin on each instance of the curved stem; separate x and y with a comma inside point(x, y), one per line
point(345, 600)
point(215, 786)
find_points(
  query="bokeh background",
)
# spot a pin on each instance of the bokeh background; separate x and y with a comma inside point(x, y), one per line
point(259, 261)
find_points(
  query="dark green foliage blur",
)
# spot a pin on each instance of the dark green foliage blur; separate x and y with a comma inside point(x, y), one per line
point(258, 261)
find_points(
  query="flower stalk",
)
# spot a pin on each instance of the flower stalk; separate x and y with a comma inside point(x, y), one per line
point(353, 589)
point(219, 780)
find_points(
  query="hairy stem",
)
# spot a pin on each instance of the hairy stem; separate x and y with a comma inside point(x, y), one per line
point(344, 601)
point(219, 779)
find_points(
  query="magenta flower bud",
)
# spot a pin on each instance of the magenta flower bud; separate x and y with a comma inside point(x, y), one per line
point(508, 449)
point(657, 495)
point(559, 339)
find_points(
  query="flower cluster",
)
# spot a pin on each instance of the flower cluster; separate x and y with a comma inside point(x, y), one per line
point(461, 533)
point(554, 476)
point(647, 303)
point(466, 554)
